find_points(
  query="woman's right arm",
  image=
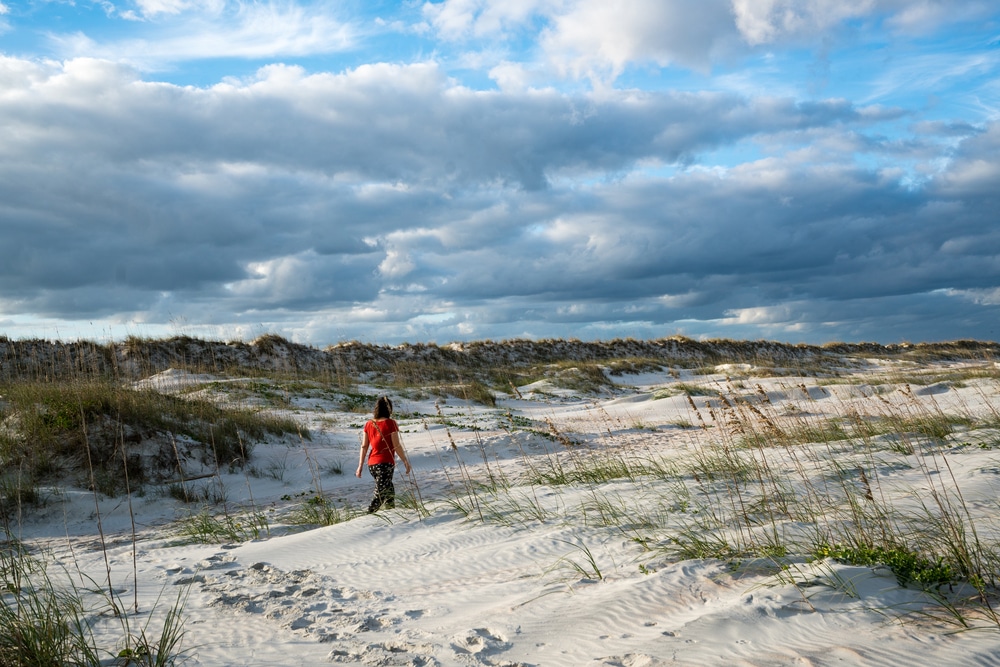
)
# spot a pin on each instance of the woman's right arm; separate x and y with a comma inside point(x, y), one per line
point(397, 445)
point(364, 454)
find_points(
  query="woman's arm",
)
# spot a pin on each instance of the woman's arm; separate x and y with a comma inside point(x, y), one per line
point(397, 444)
point(364, 455)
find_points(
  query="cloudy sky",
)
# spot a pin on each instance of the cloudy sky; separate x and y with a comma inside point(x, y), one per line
point(798, 170)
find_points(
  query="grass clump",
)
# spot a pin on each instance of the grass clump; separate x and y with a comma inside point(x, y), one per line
point(17, 492)
point(595, 469)
point(207, 528)
point(145, 648)
point(584, 377)
point(39, 623)
point(357, 402)
point(320, 511)
point(633, 366)
point(684, 388)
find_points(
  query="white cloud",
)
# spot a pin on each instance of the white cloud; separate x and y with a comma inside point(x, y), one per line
point(783, 314)
point(396, 264)
point(594, 38)
point(922, 16)
point(770, 21)
point(598, 39)
point(150, 8)
point(512, 76)
point(982, 297)
point(463, 19)
point(199, 30)
point(765, 21)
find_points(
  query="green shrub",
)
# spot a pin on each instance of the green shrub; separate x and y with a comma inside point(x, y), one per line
point(906, 564)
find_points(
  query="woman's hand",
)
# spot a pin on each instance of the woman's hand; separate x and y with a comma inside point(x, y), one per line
point(358, 473)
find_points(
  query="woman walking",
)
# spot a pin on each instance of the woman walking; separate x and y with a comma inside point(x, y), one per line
point(381, 435)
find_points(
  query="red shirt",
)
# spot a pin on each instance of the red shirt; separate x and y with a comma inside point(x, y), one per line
point(380, 439)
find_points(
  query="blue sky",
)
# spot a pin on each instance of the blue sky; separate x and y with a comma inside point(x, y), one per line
point(469, 169)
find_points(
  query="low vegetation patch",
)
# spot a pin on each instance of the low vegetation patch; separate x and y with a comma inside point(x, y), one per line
point(321, 511)
point(205, 527)
point(906, 564)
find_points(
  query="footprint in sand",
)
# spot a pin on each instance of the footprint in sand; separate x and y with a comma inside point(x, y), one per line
point(480, 641)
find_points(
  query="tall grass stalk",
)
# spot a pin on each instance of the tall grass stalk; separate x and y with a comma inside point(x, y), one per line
point(97, 503)
point(144, 647)
point(131, 516)
point(468, 483)
point(588, 569)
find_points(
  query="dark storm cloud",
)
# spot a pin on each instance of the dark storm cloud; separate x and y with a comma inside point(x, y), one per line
point(380, 122)
point(109, 180)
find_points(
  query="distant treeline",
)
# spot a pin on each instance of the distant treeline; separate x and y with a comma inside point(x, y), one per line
point(137, 357)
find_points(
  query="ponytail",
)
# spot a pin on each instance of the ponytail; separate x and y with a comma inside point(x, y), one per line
point(383, 408)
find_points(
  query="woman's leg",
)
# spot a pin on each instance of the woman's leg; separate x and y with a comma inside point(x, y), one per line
point(385, 492)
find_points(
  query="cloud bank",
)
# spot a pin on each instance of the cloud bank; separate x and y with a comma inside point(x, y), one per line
point(403, 200)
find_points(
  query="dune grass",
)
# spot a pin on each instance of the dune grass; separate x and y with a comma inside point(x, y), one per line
point(319, 511)
point(207, 528)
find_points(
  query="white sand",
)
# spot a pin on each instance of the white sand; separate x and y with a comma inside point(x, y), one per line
point(446, 589)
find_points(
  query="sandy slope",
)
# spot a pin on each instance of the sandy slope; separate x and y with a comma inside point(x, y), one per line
point(446, 589)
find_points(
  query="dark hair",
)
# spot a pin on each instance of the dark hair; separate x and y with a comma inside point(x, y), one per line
point(383, 408)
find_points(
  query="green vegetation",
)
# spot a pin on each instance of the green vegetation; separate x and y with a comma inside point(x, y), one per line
point(687, 388)
point(207, 528)
point(321, 511)
point(907, 565)
point(357, 402)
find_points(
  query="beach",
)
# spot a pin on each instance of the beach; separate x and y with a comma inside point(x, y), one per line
point(675, 516)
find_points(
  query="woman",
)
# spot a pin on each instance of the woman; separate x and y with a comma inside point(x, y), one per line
point(381, 434)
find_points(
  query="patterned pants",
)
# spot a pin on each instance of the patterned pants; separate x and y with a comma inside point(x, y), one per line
point(385, 492)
